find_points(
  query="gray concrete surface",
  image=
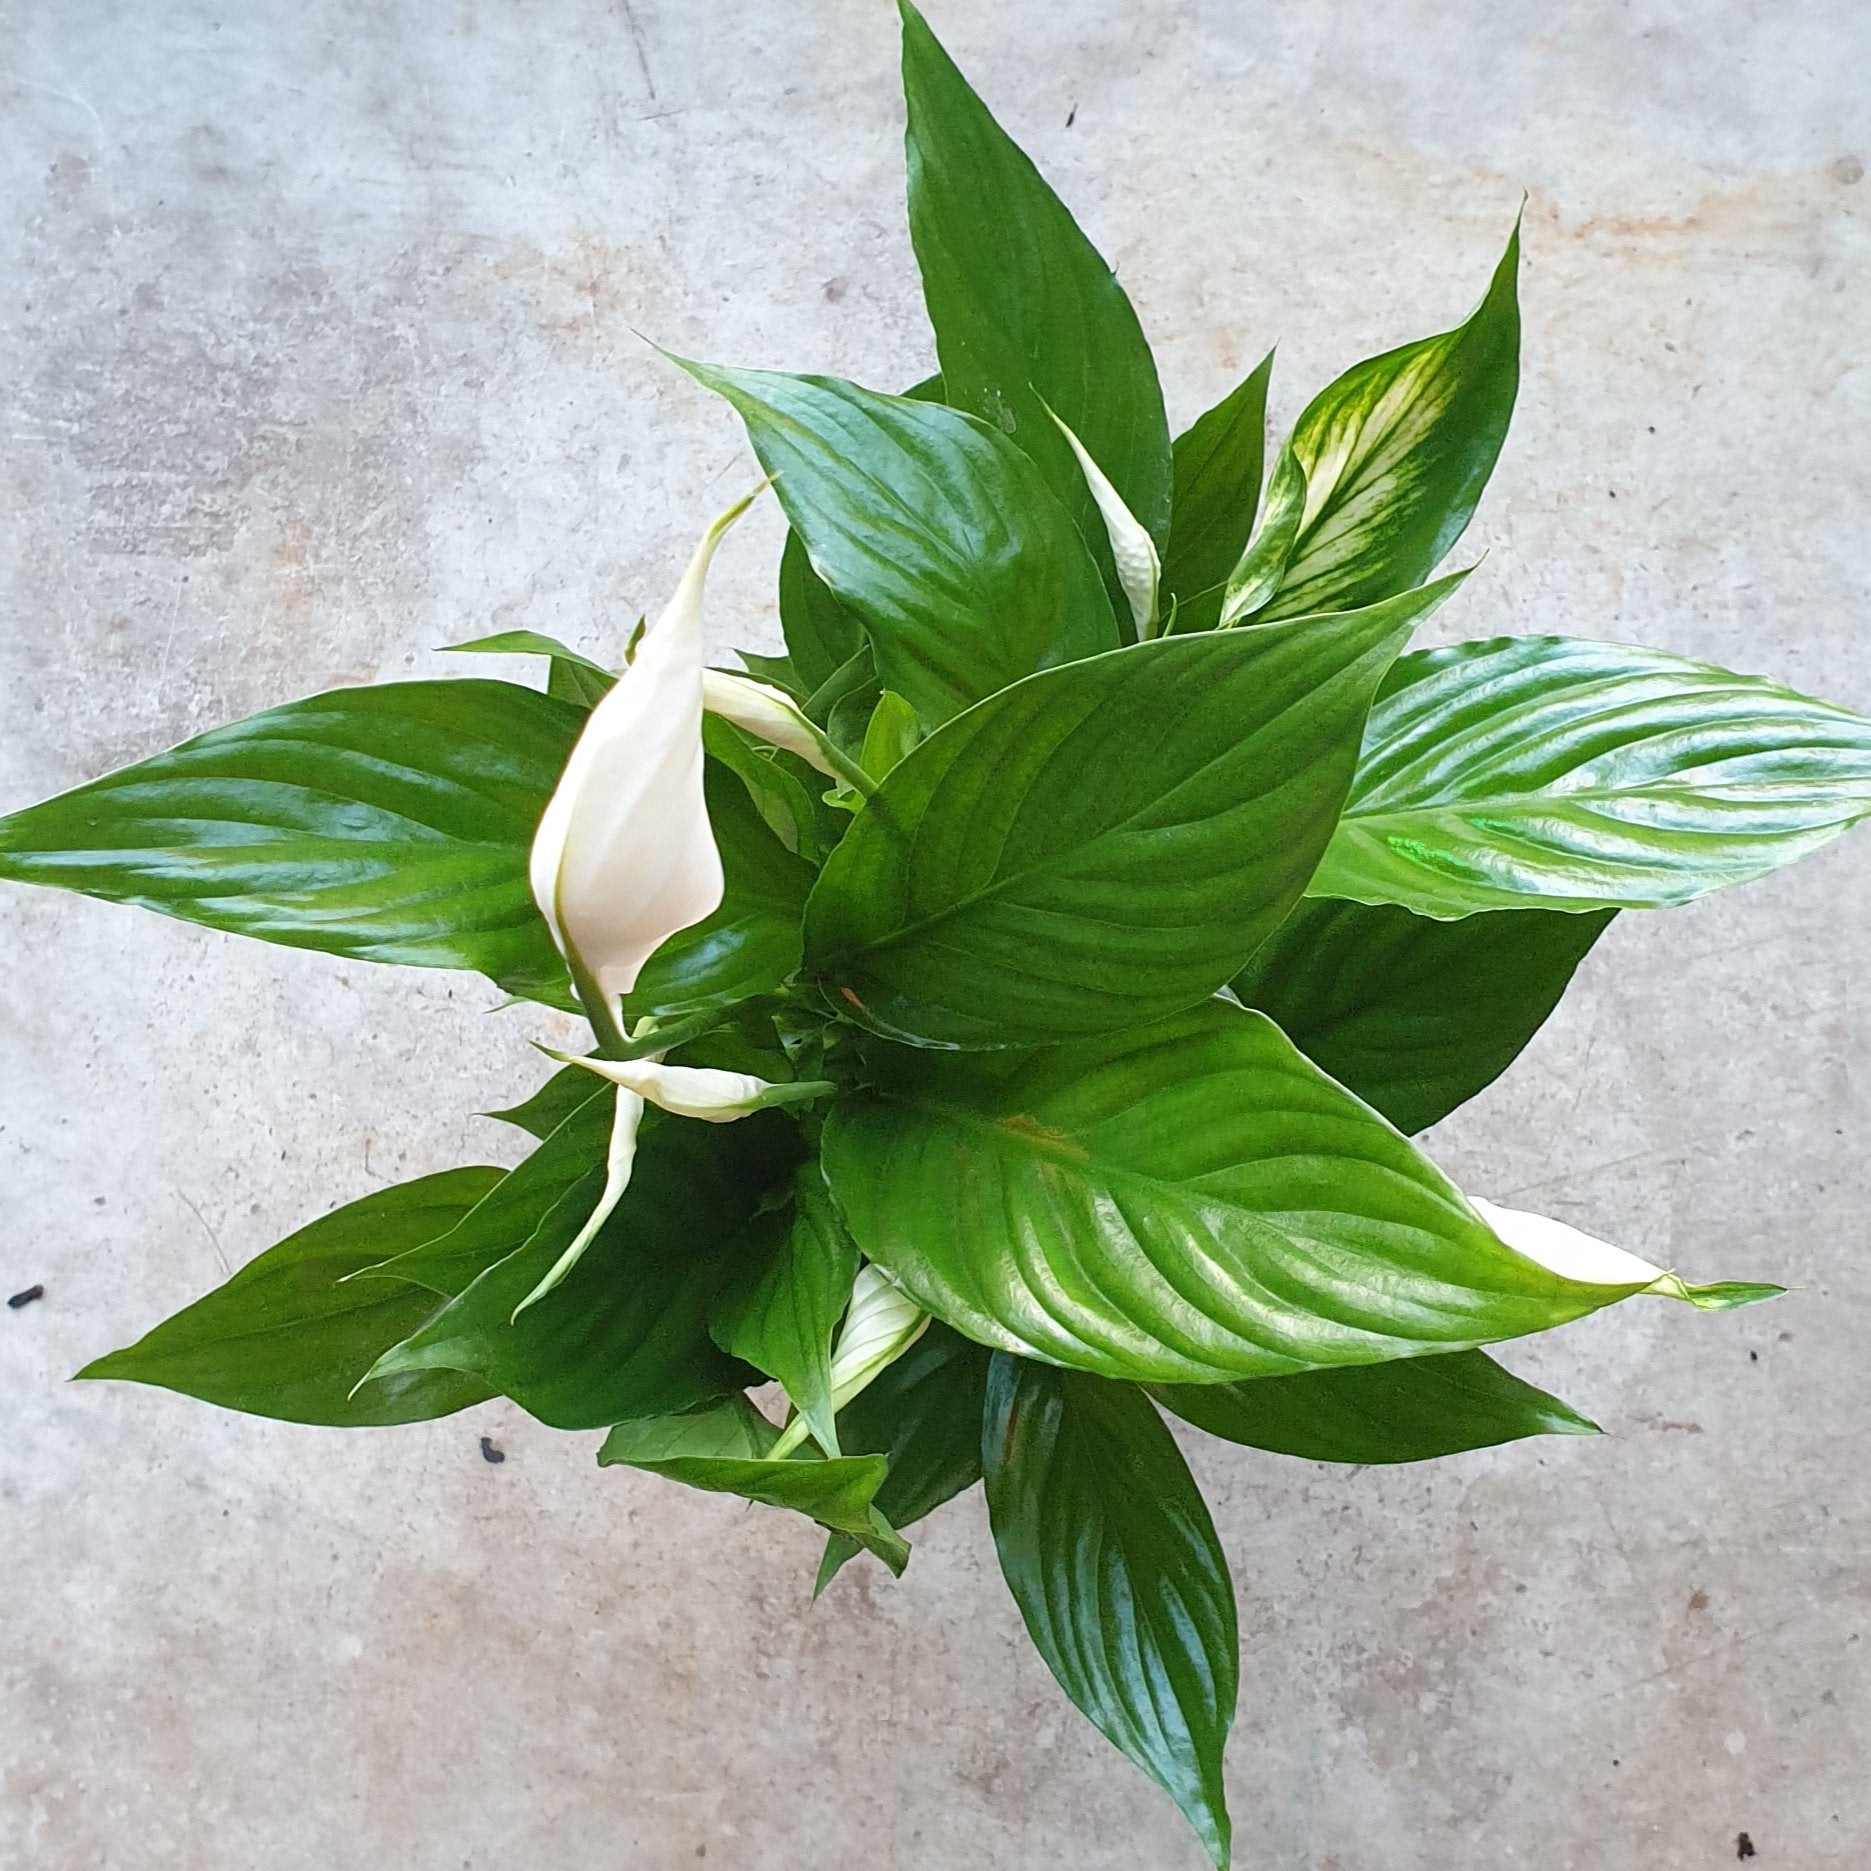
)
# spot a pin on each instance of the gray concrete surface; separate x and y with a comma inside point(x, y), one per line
point(316, 344)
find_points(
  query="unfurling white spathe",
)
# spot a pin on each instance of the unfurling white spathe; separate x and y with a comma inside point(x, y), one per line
point(767, 713)
point(881, 1323)
point(1567, 1251)
point(1133, 551)
point(624, 855)
point(714, 1096)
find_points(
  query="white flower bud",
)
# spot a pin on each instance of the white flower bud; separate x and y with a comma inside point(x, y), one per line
point(1133, 551)
point(714, 1096)
point(1565, 1250)
point(767, 713)
point(881, 1323)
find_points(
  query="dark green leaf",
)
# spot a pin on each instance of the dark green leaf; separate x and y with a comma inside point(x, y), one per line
point(1187, 1202)
point(924, 1413)
point(778, 671)
point(720, 1448)
point(571, 678)
point(780, 1311)
point(786, 792)
point(934, 528)
point(1028, 317)
point(821, 634)
point(751, 943)
point(1218, 470)
point(1396, 453)
point(1109, 1551)
point(386, 824)
point(568, 1090)
point(1550, 772)
point(625, 1334)
point(1407, 1411)
point(1415, 1016)
point(1104, 843)
point(287, 1337)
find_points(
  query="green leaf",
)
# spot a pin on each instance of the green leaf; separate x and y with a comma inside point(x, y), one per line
point(750, 944)
point(777, 671)
point(1550, 772)
point(572, 677)
point(568, 1090)
point(1101, 844)
point(1109, 1551)
point(785, 791)
point(722, 1449)
point(1396, 454)
point(923, 1413)
point(625, 1334)
point(1410, 1410)
point(385, 824)
point(780, 1314)
point(1218, 469)
point(892, 732)
point(286, 1337)
point(1026, 312)
point(934, 528)
point(821, 633)
point(1188, 1202)
point(1415, 1016)
point(1252, 583)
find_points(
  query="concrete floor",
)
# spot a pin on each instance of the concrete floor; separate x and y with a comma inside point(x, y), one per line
point(316, 332)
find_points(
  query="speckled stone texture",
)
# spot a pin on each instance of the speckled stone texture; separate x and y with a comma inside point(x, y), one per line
point(316, 338)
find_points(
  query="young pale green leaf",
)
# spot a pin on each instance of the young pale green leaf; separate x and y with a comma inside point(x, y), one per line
point(1109, 1551)
point(288, 1336)
point(892, 732)
point(1255, 579)
point(625, 1335)
point(1189, 1202)
point(384, 824)
point(1415, 1016)
point(1102, 844)
point(572, 677)
point(1396, 453)
point(924, 1414)
point(751, 943)
point(1551, 772)
point(934, 528)
point(1028, 317)
point(1218, 464)
point(722, 1449)
point(1410, 1410)
point(780, 1310)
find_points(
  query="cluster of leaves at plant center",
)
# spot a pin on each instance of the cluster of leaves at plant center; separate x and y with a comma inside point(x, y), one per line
point(1170, 915)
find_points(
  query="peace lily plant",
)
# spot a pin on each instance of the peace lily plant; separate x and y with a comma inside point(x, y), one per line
point(1011, 1007)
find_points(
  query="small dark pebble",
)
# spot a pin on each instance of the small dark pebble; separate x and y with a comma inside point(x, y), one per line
point(26, 1298)
point(1754, 1357)
point(489, 1453)
point(1744, 1846)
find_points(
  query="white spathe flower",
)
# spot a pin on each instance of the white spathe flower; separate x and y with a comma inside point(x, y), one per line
point(714, 1096)
point(767, 713)
point(624, 855)
point(1133, 551)
point(1567, 1251)
point(881, 1323)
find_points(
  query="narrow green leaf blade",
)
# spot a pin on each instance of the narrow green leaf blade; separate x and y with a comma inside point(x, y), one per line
point(572, 677)
point(1411, 1410)
point(1396, 454)
point(539, 1114)
point(934, 528)
point(1026, 312)
point(1219, 460)
point(1189, 1202)
point(780, 1314)
point(1102, 844)
point(1109, 1551)
point(1557, 773)
point(384, 824)
point(287, 1337)
point(1415, 1016)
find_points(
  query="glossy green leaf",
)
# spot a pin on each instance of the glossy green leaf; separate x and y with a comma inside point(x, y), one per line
point(923, 1413)
point(572, 678)
point(288, 1337)
point(934, 528)
point(1551, 772)
point(385, 824)
point(721, 1448)
point(750, 944)
point(1410, 1410)
point(892, 732)
point(1396, 454)
point(1218, 462)
point(780, 1313)
point(1186, 1202)
point(1109, 1551)
point(786, 792)
point(1101, 844)
point(1415, 1016)
point(540, 1113)
point(625, 1334)
point(821, 634)
point(1028, 317)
